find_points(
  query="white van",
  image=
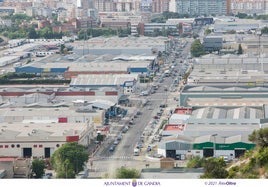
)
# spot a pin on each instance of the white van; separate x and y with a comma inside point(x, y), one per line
point(136, 152)
point(144, 93)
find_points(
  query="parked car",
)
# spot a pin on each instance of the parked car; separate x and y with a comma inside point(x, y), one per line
point(112, 148)
point(119, 137)
point(141, 139)
point(156, 117)
point(125, 129)
point(144, 93)
point(163, 106)
point(83, 174)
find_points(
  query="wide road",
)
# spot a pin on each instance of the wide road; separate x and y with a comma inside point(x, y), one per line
point(106, 161)
point(130, 138)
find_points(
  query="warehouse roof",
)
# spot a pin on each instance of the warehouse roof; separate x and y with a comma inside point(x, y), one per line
point(111, 66)
point(42, 132)
point(102, 80)
point(245, 112)
point(236, 132)
point(103, 104)
point(39, 112)
point(197, 88)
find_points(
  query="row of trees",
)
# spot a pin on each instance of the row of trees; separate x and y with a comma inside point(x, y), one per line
point(254, 16)
point(15, 32)
point(85, 34)
point(167, 15)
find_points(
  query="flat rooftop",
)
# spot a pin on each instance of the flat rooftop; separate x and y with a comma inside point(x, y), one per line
point(231, 113)
point(236, 133)
point(174, 127)
point(42, 132)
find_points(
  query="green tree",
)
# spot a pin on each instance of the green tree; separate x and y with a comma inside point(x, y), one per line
point(32, 33)
point(262, 157)
point(38, 167)
point(241, 15)
point(195, 162)
point(62, 47)
point(207, 31)
point(69, 160)
point(214, 168)
point(195, 35)
point(125, 173)
point(259, 137)
point(264, 30)
point(240, 50)
point(197, 49)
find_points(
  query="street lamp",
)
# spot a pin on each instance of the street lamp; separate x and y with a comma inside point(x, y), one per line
point(214, 144)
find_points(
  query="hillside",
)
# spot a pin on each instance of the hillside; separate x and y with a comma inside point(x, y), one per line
point(253, 165)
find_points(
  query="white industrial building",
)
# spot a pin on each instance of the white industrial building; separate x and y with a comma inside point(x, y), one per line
point(126, 82)
point(40, 139)
point(52, 115)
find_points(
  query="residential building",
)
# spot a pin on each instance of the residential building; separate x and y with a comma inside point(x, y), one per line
point(201, 7)
point(249, 6)
point(104, 5)
point(149, 29)
point(172, 6)
point(146, 5)
point(160, 6)
point(115, 23)
point(124, 5)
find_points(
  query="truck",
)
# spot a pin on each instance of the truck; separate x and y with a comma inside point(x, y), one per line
point(136, 152)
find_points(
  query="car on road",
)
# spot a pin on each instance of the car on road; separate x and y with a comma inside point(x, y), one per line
point(119, 137)
point(112, 148)
point(141, 139)
point(136, 152)
point(144, 93)
point(158, 156)
point(116, 142)
point(125, 129)
point(139, 145)
point(152, 91)
point(131, 122)
point(82, 174)
point(149, 148)
point(163, 105)
point(156, 117)
point(150, 108)
point(159, 113)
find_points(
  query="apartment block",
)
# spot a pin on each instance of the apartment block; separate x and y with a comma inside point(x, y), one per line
point(249, 6)
point(160, 6)
point(201, 7)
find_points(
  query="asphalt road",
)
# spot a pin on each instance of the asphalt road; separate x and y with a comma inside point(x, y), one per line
point(106, 161)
